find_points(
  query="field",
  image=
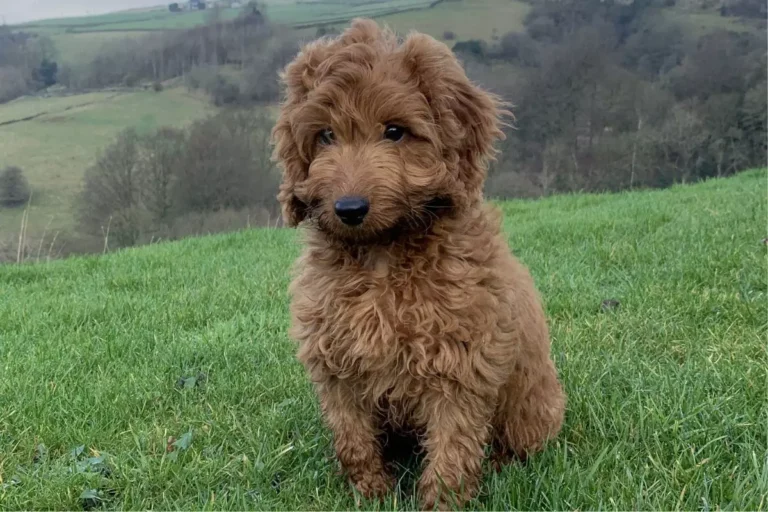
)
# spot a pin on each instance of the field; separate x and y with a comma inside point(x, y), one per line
point(162, 377)
point(78, 39)
point(55, 148)
point(468, 19)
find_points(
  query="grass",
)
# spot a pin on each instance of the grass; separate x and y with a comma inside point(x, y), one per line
point(55, 148)
point(162, 377)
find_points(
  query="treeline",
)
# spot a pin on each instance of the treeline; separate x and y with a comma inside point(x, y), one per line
point(214, 176)
point(235, 61)
point(26, 63)
point(608, 96)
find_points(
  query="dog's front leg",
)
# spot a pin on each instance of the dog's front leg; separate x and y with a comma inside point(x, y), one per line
point(457, 431)
point(354, 433)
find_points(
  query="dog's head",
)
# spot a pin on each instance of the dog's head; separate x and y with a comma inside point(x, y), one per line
point(377, 134)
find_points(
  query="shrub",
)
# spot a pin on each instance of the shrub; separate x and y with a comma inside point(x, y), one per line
point(449, 35)
point(473, 47)
point(46, 73)
point(14, 188)
point(224, 92)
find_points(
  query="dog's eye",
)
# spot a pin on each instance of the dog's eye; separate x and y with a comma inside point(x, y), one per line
point(326, 137)
point(394, 132)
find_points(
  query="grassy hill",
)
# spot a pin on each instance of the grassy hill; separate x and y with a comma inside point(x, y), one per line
point(63, 135)
point(162, 377)
point(78, 39)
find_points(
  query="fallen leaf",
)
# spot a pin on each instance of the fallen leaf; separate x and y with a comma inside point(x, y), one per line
point(184, 442)
point(90, 499)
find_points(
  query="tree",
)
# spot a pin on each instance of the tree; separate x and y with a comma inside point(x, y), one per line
point(109, 204)
point(753, 120)
point(226, 164)
point(14, 188)
point(680, 139)
point(160, 156)
point(46, 73)
point(519, 49)
point(473, 47)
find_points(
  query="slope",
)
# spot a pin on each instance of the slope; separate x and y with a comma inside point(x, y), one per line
point(162, 377)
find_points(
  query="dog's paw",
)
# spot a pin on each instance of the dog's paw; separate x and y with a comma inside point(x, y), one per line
point(435, 495)
point(374, 485)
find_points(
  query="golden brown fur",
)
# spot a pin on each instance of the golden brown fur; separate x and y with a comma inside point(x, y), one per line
point(420, 317)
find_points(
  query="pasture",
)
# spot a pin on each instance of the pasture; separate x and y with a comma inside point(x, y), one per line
point(78, 39)
point(64, 135)
point(162, 377)
point(468, 19)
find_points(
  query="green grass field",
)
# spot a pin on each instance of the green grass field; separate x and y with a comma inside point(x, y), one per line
point(468, 19)
point(77, 40)
point(55, 148)
point(162, 377)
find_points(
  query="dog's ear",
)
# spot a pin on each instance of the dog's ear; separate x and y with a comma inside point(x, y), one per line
point(468, 118)
point(297, 79)
point(294, 170)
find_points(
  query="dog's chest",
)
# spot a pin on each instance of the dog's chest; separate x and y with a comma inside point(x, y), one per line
point(394, 324)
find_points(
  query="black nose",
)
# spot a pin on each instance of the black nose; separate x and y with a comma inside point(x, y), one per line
point(351, 209)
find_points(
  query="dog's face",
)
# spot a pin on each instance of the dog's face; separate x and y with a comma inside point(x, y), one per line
point(376, 135)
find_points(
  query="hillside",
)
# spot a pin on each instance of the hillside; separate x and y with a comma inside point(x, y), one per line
point(77, 40)
point(55, 139)
point(162, 377)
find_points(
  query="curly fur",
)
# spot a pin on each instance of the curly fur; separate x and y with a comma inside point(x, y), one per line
point(420, 319)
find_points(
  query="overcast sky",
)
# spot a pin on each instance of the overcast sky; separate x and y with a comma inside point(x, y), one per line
point(17, 11)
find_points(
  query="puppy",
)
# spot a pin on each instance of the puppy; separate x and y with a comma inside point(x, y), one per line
point(408, 307)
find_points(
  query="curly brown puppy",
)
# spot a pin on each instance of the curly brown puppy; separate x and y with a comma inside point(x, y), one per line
point(409, 309)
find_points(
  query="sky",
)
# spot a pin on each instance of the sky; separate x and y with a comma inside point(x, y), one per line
point(19, 11)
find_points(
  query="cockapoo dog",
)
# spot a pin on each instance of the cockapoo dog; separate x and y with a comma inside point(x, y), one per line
point(410, 311)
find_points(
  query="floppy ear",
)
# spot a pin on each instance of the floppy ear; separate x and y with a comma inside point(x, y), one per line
point(298, 80)
point(468, 118)
point(294, 170)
